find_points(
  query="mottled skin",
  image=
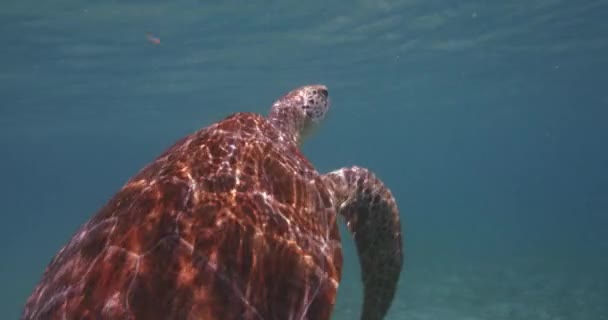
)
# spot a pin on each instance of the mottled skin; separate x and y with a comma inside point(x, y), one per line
point(231, 222)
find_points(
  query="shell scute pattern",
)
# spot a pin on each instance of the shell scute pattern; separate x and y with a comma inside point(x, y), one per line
point(208, 195)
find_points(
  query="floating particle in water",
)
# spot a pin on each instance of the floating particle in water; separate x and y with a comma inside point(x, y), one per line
point(152, 38)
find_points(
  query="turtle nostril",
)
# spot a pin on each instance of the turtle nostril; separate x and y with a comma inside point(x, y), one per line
point(324, 92)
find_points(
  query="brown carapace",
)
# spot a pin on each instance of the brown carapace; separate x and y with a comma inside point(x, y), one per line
point(231, 222)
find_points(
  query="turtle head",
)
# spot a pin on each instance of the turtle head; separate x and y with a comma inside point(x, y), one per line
point(300, 111)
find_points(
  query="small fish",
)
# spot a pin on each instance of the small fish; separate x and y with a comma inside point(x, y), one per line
point(153, 39)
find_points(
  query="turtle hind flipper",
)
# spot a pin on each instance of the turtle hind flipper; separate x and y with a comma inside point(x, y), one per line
point(372, 217)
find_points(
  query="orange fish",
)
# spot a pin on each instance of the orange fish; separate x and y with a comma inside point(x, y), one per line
point(153, 39)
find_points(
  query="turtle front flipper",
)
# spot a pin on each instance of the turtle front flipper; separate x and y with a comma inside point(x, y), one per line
point(372, 217)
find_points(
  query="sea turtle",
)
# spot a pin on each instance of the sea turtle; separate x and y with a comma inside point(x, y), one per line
point(231, 222)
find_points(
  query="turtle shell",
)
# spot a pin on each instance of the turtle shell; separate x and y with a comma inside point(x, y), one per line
point(231, 222)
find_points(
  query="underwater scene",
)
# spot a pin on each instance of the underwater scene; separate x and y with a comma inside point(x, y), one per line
point(487, 120)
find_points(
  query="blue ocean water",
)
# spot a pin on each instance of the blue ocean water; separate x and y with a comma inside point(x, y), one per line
point(488, 120)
